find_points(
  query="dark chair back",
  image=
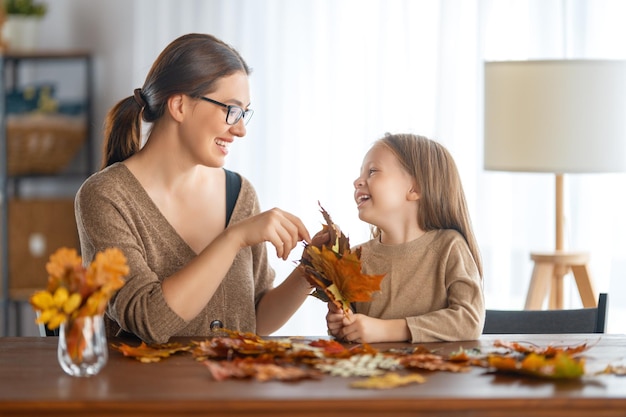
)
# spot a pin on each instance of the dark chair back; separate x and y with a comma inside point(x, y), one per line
point(583, 320)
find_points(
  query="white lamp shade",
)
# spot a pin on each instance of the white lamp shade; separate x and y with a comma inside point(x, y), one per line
point(558, 116)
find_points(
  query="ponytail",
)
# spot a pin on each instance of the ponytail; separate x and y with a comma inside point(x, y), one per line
point(122, 132)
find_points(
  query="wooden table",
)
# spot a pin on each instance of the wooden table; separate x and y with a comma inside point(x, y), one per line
point(32, 383)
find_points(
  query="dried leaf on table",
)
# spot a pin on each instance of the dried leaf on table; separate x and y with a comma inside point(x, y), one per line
point(330, 347)
point(388, 380)
point(334, 270)
point(559, 366)
point(619, 370)
point(433, 362)
point(548, 351)
point(259, 369)
point(147, 354)
point(360, 365)
point(238, 344)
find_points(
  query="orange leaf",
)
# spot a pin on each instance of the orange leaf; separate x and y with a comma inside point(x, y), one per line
point(560, 366)
point(146, 354)
point(330, 347)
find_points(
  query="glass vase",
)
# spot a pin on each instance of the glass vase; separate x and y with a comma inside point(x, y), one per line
point(83, 349)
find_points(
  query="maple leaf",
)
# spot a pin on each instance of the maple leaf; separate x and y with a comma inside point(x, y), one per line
point(260, 369)
point(334, 270)
point(433, 362)
point(331, 347)
point(242, 344)
point(147, 354)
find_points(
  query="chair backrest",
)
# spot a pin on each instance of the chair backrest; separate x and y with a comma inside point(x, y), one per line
point(583, 320)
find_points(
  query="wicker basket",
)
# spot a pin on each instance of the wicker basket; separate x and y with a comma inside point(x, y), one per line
point(43, 144)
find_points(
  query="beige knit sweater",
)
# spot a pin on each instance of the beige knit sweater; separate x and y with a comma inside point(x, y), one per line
point(432, 281)
point(113, 210)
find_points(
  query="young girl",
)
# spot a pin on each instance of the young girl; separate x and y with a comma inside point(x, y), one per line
point(192, 232)
point(409, 190)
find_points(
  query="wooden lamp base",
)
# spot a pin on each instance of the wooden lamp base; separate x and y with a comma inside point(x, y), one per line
point(547, 278)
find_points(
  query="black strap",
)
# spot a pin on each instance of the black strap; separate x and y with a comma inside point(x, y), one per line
point(233, 186)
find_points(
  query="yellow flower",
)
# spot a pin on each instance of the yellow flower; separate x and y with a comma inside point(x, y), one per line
point(75, 291)
point(72, 303)
point(42, 300)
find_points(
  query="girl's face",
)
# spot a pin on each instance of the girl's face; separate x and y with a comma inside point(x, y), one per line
point(208, 135)
point(384, 192)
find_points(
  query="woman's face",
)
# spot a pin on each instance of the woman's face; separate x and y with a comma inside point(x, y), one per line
point(384, 191)
point(207, 134)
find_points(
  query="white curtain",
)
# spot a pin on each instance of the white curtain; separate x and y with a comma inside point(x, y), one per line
point(331, 76)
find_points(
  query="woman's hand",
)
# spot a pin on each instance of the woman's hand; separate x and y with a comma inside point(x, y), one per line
point(282, 229)
point(320, 239)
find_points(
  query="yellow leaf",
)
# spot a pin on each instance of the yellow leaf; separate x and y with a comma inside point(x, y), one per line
point(60, 296)
point(388, 380)
point(42, 300)
point(337, 296)
point(56, 320)
point(72, 303)
point(46, 315)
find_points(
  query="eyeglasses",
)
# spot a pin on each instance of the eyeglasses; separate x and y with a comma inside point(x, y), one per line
point(234, 113)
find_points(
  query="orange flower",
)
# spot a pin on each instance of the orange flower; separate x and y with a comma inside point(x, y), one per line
point(75, 291)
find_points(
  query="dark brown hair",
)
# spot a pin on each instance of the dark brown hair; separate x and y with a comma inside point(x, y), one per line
point(191, 65)
point(442, 203)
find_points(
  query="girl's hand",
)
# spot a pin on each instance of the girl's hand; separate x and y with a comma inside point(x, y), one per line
point(334, 320)
point(360, 328)
point(282, 229)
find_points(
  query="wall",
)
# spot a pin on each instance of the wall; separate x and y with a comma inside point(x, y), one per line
point(104, 28)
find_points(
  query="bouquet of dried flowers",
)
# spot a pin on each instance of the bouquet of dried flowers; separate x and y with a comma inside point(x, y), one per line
point(76, 291)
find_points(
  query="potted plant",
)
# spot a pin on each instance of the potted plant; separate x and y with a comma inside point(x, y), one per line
point(25, 8)
point(21, 28)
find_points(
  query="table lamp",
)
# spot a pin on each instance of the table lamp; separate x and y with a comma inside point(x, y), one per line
point(561, 117)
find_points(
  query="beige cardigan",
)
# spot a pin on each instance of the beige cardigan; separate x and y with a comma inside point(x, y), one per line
point(113, 210)
point(432, 282)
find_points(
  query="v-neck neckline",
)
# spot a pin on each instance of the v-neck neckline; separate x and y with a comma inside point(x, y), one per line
point(154, 208)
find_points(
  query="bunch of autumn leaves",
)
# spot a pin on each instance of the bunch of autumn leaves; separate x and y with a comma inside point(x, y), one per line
point(77, 291)
point(334, 269)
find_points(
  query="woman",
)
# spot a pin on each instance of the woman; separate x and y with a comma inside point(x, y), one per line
point(192, 231)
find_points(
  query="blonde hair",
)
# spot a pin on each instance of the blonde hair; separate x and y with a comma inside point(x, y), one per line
point(442, 203)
